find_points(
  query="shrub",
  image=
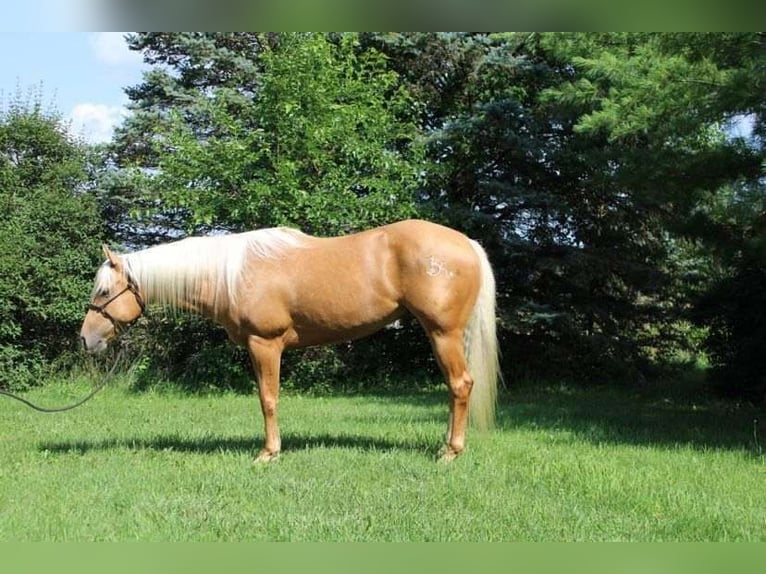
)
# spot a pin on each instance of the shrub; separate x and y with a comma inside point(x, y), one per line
point(50, 232)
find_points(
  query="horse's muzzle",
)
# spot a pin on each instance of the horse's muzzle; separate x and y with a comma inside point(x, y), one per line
point(94, 345)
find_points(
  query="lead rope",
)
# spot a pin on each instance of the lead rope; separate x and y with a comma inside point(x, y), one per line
point(88, 397)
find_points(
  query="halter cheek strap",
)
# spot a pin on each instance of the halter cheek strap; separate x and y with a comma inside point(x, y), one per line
point(101, 309)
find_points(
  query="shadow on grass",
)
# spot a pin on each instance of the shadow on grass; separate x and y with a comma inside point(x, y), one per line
point(660, 417)
point(649, 417)
point(239, 444)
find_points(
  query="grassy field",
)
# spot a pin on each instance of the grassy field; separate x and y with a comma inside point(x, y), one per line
point(564, 464)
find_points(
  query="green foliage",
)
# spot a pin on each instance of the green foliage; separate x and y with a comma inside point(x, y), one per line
point(305, 130)
point(190, 353)
point(587, 164)
point(578, 159)
point(325, 143)
point(623, 215)
point(732, 308)
point(50, 232)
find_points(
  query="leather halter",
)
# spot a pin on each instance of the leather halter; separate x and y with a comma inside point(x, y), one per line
point(101, 309)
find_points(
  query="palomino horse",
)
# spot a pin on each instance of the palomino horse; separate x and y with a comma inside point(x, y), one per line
point(275, 289)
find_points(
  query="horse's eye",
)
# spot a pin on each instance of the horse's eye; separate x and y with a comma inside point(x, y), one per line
point(103, 292)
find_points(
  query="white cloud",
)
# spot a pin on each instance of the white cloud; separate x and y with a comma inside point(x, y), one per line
point(95, 122)
point(111, 49)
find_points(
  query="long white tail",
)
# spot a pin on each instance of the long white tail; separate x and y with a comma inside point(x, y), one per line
point(481, 348)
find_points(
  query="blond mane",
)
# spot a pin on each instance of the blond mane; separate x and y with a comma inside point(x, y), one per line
point(173, 273)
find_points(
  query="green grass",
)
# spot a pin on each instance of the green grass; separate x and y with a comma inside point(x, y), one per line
point(564, 464)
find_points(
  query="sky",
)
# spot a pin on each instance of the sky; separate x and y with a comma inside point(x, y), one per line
point(81, 75)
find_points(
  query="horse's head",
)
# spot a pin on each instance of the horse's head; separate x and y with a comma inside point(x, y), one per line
point(116, 303)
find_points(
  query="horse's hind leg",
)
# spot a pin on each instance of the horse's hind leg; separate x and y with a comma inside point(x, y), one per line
point(448, 348)
point(266, 355)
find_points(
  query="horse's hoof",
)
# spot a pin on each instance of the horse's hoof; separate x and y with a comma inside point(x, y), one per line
point(266, 456)
point(447, 454)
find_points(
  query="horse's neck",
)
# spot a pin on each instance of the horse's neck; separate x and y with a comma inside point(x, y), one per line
point(199, 298)
point(203, 274)
point(183, 290)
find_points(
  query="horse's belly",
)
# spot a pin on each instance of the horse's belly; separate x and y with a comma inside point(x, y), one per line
point(333, 325)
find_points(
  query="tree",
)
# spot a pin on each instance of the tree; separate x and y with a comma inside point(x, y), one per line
point(325, 144)
point(299, 129)
point(578, 158)
point(587, 164)
point(731, 307)
point(50, 232)
point(244, 131)
point(661, 105)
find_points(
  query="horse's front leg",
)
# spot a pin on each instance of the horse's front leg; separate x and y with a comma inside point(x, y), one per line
point(266, 356)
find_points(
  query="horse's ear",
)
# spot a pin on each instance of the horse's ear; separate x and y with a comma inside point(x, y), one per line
point(113, 258)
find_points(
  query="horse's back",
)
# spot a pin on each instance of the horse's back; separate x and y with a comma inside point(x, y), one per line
point(420, 229)
point(332, 289)
point(338, 288)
